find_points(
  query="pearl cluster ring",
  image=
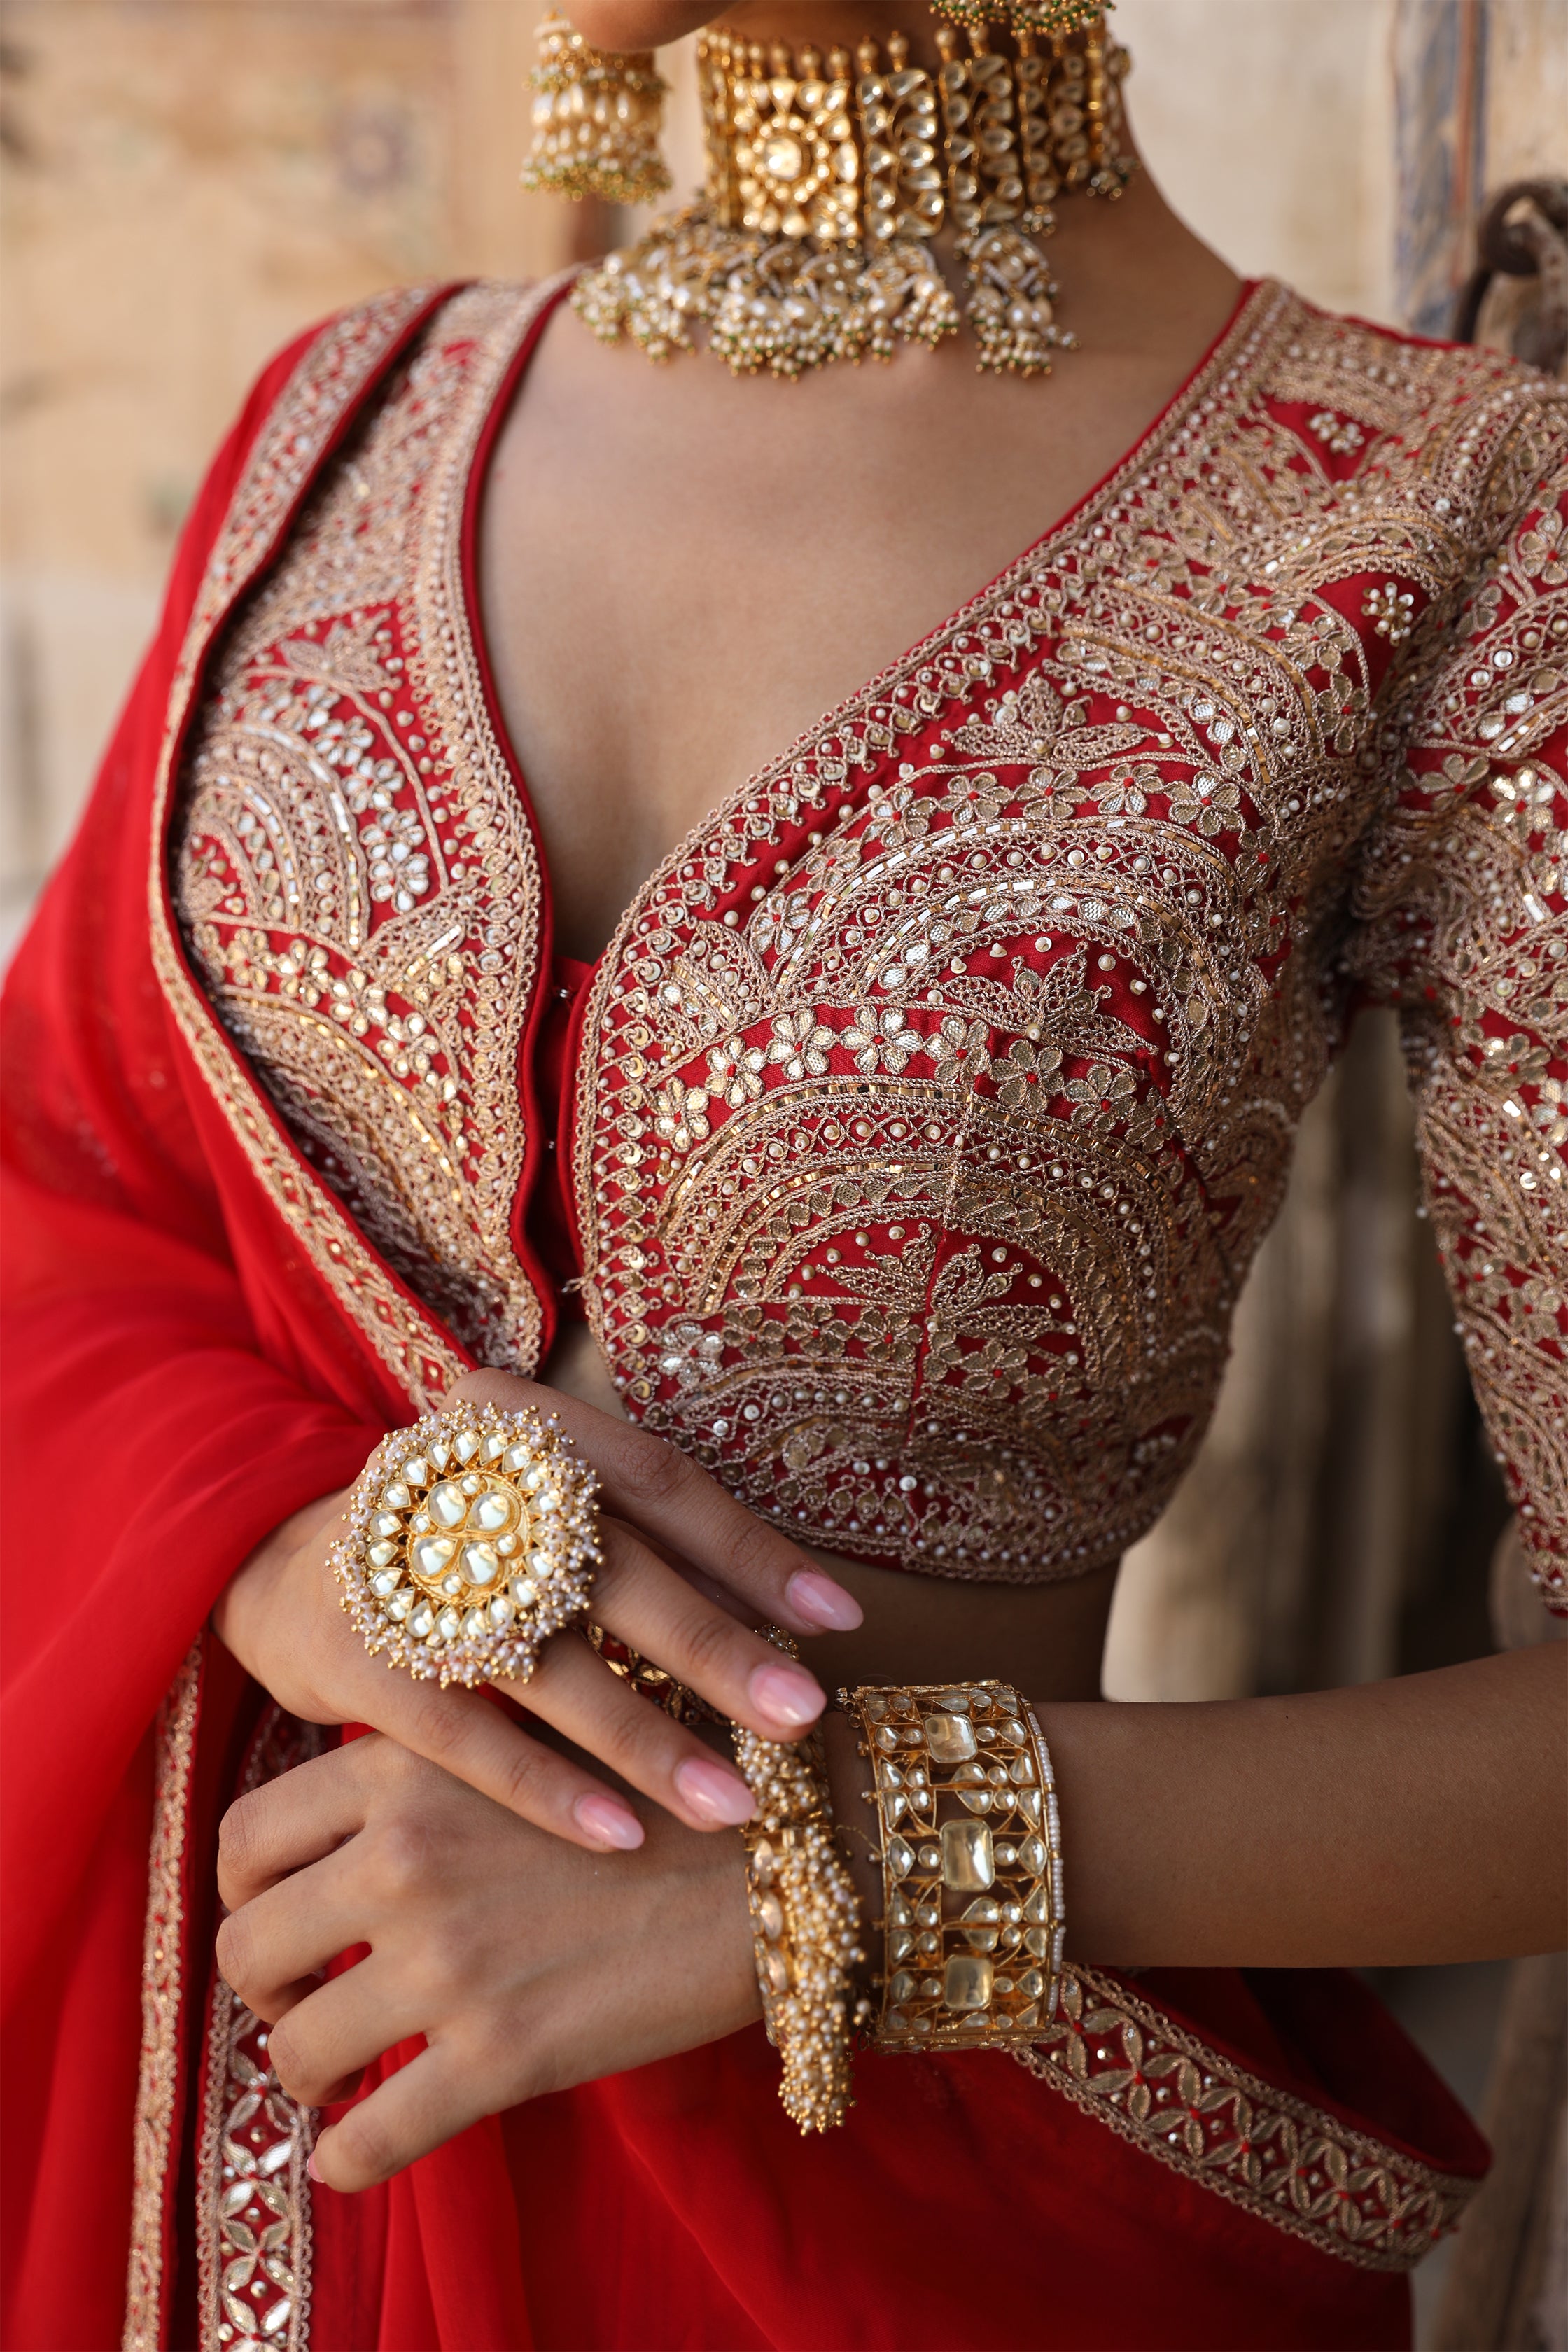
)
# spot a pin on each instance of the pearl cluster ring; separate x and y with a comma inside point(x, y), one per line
point(469, 1540)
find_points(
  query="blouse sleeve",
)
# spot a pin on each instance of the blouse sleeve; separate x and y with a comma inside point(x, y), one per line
point(1462, 923)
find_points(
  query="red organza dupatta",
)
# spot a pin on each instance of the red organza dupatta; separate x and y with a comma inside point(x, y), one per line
point(188, 1357)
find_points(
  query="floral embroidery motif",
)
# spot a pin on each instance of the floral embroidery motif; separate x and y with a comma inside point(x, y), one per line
point(1342, 435)
point(1196, 2111)
point(356, 878)
point(916, 1191)
point(1391, 610)
point(330, 378)
point(1053, 954)
point(253, 2222)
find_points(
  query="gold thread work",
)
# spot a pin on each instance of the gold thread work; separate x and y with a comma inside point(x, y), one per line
point(1195, 2110)
point(253, 2143)
point(154, 2157)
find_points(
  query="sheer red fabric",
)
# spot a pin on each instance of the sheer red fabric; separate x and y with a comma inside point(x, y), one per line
point(180, 1375)
point(175, 1369)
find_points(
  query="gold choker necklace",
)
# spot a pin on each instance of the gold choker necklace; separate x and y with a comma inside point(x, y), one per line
point(829, 177)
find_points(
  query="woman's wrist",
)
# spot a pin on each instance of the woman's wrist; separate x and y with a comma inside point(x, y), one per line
point(960, 1880)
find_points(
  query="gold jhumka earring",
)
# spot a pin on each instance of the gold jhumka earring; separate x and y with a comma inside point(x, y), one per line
point(829, 176)
point(596, 120)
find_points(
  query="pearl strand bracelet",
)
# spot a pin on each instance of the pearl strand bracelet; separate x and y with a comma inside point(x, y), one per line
point(806, 1921)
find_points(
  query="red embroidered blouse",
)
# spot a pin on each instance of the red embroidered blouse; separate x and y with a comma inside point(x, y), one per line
point(932, 1097)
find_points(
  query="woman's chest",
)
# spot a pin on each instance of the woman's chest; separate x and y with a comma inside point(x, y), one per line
point(681, 572)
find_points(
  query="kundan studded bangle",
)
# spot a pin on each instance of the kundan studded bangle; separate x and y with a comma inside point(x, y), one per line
point(805, 1922)
point(470, 1538)
point(972, 1867)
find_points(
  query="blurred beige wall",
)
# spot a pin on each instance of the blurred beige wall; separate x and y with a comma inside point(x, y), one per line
point(188, 182)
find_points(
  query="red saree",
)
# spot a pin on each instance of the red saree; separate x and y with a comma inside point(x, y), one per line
point(200, 1340)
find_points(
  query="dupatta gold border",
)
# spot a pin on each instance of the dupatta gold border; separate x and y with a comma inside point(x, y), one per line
point(157, 2077)
point(253, 2142)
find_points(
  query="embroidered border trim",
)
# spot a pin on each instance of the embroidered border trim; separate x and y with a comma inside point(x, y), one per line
point(445, 672)
point(253, 2192)
point(328, 379)
point(157, 2079)
point(1287, 2163)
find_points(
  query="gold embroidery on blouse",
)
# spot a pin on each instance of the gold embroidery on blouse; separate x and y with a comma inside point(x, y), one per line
point(889, 1217)
point(1464, 915)
point(328, 379)
point(1170, 2093)
point(357, 878)
point(935, 1093)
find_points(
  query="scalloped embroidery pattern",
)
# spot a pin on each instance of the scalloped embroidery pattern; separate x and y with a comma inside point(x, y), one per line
point(329, 377)
point(936, 1094)
point(357, 878)
point(158, 2070)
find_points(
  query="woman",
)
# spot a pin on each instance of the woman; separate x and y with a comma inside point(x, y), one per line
point(859, 1162)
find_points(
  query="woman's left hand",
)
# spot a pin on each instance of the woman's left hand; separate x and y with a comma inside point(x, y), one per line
point(527, 1963)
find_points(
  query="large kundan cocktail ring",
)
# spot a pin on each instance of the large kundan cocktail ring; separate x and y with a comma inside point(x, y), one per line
point(470, 1538)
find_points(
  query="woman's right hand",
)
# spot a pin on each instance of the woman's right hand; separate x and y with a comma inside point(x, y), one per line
point(281, 1617)
point(525, 1968)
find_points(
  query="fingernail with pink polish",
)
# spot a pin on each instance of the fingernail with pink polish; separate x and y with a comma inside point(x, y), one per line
point(311, 2168)
point(712, 1793)
point(788, 1694)
point(824, 1603)
point(609, 1823)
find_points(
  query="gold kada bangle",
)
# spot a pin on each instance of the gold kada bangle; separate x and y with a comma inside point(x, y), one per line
point(806, 1921)
point(974, 1910)
point(469, 1540)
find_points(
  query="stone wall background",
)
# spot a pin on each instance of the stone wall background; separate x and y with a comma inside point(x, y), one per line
point(188, 182)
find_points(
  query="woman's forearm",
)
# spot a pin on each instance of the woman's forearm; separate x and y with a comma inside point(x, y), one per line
point(1416, 1821)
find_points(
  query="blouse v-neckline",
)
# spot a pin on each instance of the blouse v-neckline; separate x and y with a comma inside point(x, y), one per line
point(490, 718)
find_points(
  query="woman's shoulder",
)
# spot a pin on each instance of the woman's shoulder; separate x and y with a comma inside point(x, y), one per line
point(345, 361)
point(1372, 397)
point(366, 374)
point(1392, 379)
